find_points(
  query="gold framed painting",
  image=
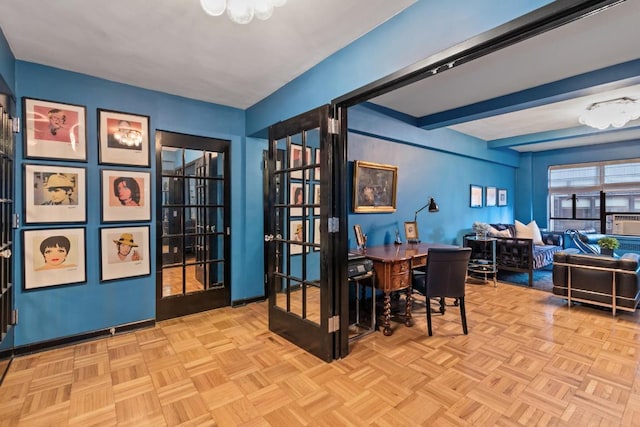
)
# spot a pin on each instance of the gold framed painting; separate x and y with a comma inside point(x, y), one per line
point(374, 187)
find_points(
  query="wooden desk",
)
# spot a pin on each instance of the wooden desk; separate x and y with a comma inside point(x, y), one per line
point(392, 265)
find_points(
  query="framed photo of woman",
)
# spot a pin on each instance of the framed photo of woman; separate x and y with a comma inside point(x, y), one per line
point(54, 194)
point(126, 196)
point(123, 138)
point(53, 257)
point(124, 252)
point(53, 130)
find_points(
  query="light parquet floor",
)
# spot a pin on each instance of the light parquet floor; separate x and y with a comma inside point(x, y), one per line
point(528, 360)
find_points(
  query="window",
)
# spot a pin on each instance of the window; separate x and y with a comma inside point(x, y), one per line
point(581, 196)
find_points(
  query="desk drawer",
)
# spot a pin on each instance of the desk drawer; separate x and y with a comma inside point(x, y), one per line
point(401, 267)
point(400, 281)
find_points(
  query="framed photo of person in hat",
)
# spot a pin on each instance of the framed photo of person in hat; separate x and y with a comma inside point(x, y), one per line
point(124, 252)
point(54, 194)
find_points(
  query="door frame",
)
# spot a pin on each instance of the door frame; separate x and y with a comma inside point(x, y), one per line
point(192, 302)
point(537, 22)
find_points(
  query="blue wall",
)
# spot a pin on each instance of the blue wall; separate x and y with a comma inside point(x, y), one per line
point(67, 310)
point(441, 164)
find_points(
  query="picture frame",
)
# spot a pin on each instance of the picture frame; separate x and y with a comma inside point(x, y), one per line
point(411, 232)
point(491, 196)
point(316, 198)
point(296, 160)
point(502, 197)
point(124, 252)
point(476, 196)
point(374, 187)
point(316, 234)
point(316, 173)
point(295, 235)
point(53, 257)
point(126, 195)
point(297, 197)
point(54, 130)
point(54, 194)
point(361, 240)
point(123, 138)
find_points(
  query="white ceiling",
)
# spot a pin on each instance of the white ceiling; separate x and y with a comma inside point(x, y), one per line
point(172, 46)
point(176, 48)
point(607, 38)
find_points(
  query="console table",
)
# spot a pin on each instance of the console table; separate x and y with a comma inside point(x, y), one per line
point(392, 265)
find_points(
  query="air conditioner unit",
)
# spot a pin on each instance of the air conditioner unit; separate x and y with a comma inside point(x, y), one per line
point(628, 225)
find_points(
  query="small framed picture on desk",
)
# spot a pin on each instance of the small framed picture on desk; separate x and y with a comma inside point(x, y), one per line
point(411, 232)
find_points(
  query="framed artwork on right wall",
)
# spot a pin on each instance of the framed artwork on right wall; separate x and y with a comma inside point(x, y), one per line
point(502, 197)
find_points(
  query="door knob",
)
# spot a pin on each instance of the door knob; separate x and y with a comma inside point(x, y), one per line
point(6, 253)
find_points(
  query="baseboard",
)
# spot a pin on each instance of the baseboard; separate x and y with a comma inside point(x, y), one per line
point(241, 302)
point(74, 339)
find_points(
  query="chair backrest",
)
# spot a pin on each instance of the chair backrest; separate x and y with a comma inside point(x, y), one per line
point(447, 272)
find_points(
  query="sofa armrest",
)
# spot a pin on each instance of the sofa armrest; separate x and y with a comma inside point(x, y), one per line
point(553, 238)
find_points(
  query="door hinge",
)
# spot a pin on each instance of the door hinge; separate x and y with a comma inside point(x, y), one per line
point(15, 220)
point(15, 122)
point(334, 126)
point(334, 324)
point(228, 231)
point(14, 317)
point(333, 225)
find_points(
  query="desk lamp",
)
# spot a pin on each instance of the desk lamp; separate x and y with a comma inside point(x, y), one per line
point(411, 228)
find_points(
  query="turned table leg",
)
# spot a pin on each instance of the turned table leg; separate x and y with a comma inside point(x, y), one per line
point(408, 319)
point(386, 324)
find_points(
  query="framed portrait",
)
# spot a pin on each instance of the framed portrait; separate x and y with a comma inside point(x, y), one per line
point(316, 234)
point(502, 197)
point(123, 138)
point(411, 232)
point(297, 197)
point(316, 173)
point(491, 196)
point(374, 187)
point(54, 194)
point(124, 252)
point(296, 235)
point(126, 195)
point(53, 257)
point(361, 240)
point(316, 198)
point(476, 196)
point(53, 130)
point(297, 159)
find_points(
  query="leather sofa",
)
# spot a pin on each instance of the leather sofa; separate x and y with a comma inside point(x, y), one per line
point(598, 280)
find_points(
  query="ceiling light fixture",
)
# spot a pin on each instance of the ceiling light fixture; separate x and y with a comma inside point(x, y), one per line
point(616, 113)
point(242, 11)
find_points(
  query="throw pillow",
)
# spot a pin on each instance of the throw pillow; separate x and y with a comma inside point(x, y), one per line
point(529, 231)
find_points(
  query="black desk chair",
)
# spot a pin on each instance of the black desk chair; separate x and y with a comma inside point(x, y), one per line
point(444, 276)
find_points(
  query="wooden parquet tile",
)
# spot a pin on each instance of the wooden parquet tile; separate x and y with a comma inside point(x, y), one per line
point(528, 360)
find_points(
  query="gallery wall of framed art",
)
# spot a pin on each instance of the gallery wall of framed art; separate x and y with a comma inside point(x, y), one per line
point(57, 192)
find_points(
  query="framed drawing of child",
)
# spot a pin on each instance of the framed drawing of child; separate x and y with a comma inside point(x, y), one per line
point(54, 194)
